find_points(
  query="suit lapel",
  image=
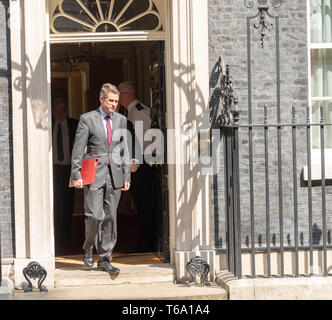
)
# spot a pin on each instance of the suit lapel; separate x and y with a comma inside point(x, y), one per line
point(100, 126)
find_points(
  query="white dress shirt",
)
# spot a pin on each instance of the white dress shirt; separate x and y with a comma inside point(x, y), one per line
point(140, 115)
point(103, 114)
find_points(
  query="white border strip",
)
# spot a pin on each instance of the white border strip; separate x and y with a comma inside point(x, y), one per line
point(317, 46)
point(108, 36)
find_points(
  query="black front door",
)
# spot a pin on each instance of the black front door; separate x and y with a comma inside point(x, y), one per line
point(160, 168)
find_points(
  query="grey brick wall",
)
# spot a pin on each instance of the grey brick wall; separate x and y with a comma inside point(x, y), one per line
point(228, 38)
point(6, 170)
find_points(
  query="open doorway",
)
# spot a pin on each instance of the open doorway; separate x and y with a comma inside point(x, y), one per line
point(78, 72)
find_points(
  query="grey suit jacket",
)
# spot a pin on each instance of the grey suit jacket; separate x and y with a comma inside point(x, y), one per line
point(91, 134)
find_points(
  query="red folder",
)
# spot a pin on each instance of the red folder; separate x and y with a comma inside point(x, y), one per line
point(88, 171)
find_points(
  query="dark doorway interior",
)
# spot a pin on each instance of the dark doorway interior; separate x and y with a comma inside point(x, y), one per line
point(78, 71)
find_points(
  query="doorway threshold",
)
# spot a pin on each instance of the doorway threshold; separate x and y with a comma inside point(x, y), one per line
point(135, 268)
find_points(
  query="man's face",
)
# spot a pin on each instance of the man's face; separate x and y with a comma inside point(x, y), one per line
point(109, 104)
point(126, 97)
point(60, 112)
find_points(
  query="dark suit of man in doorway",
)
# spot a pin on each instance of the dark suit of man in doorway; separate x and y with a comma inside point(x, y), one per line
point(97, 133)
point(136, 111)
point(63, 136)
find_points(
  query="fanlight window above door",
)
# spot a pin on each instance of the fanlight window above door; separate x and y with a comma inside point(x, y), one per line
point(71, 16)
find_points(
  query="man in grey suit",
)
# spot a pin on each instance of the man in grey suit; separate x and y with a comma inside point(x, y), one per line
point(97, 136)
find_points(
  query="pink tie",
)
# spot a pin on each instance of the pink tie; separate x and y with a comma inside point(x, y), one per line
point(109, 130)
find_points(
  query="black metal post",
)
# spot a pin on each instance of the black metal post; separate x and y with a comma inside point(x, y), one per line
point(251, 179)
point(228, 120)
point(229, 198)
point(322, 148)
point(232, 197)
point(279, 131)
point(236, 197)
point(281, 222)
point(309, 190)
point(295, 193)
point(267, 193)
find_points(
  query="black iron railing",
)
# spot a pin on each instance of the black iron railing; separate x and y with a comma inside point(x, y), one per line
point(287, 202)
point(233, 197)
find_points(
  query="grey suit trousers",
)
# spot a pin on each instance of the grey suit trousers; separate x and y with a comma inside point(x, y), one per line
point(100, 217)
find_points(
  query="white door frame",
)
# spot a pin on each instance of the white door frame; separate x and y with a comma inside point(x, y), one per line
point(187, 95)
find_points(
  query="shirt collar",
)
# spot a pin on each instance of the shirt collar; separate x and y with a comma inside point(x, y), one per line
point(103, 114)
point(56, 122)
point(132, 104)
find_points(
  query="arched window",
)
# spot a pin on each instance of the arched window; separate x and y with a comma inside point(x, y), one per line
point(76, 16)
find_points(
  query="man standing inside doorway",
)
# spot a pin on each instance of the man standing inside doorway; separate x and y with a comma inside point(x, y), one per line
point(139, 115)
point(63, 136)
point(96, 134)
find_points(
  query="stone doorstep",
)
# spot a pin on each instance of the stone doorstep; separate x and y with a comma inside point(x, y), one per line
point(6, 293)
point(143, 291)
point(133, 274)
point(135, 282)
point(6, 289)
point(289, 288)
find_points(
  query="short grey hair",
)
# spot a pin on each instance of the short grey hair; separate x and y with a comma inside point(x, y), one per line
point(130, 85)
point(108, 88)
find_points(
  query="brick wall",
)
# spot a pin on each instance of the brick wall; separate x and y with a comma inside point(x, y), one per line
point(228, 38)
point(6, 169)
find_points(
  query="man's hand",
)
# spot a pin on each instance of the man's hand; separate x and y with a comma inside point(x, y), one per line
point(134, 164)
point(78, 184)
point(126, 186)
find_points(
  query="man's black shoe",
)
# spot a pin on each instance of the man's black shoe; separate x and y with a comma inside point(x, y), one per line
point(105, 265)
point(88, 258)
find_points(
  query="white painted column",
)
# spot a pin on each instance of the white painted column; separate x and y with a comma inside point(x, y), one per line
point(33, 190)
point(188, 98)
